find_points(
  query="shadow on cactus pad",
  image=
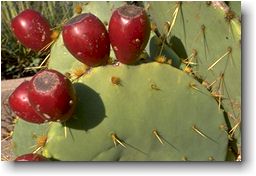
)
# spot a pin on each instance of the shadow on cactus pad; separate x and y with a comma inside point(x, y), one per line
point(90, 110)
point(178, 47)
point(156, 50)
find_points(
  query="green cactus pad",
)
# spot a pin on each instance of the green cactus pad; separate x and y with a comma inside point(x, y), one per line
point(103, 10)
point(236, 7)
point(150, 96)
point(25, 136)
point(210, 30)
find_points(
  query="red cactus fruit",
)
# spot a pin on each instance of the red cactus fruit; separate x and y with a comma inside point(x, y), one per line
point(86, 38)
point(52, 95)
point(129, 31)
point(31, 157)
point(21, 106)
point(31, 29)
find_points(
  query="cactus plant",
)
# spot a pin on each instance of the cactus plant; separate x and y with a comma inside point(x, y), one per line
point(208, 35)
point(151, 111)
point(171, 107)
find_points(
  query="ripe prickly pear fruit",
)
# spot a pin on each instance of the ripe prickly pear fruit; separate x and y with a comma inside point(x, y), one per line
point(21, 106)
point(52, 95)
point(86, 38)
point(129, 31)
point(31, 157)
point(31, 29)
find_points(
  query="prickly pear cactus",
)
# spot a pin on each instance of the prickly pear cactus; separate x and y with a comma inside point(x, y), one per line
point(146, 112)
point(207, 37)
point(148, 116)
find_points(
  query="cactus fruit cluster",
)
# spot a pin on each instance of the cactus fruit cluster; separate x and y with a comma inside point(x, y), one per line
point(48, 96)
point(168, 88)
